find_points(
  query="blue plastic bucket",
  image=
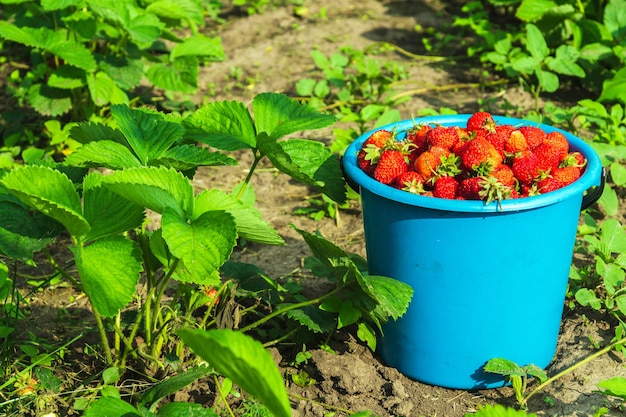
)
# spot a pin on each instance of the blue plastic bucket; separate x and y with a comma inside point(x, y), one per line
point(489, 280)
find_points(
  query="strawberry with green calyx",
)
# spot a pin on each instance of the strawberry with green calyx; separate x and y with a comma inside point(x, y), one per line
point(417, 136)
point(547, 185)
point(493, 190)
point(392, 163)
point(480, 156)
point(372, 148)
point(428, 162)
point(410, 181)
point(566, 175)
point(446, 187)
point(481, 121)
point(573, 159)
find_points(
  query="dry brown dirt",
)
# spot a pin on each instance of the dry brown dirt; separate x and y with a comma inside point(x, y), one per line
point(271, 51)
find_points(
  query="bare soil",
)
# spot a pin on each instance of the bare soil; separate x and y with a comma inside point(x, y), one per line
point(271, 52)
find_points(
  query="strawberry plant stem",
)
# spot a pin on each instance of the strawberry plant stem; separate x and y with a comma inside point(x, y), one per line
point(289, 308)
point(257, 158)
point(523, 403)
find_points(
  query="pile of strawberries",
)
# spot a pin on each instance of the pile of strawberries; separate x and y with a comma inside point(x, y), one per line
point(481, 161)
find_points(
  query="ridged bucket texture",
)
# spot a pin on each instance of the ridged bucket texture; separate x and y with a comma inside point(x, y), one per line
point(489, 280)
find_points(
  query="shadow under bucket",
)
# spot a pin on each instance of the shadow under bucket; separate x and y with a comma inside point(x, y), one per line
point(489, 280)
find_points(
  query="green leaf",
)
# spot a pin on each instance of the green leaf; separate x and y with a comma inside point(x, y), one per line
point(393, 296)
point(536, 43)
point(307, 161)
point(202, 245)
point(244, 361)
point(23, 233)
point(618, 174)
point(154, 188)
point(498, 410)
point(125, 72)
point(50, 192)
point(615, 18)
point(225, 125)
point(367, 334)
point(250, 224)
point(278, 115)
point(145, 28)
point(49, 101)
point(201, 46)
point(94, 132)
point(587, 297)
point(111, 407)
point(620, 302)
point(565, 62)
point(614, 89)
point(171, 385)
point(51, 5)
point(25, 36)
point(614, 236)
point(549, 81)
point(179, 75)
point(525, 64)
point(104, 153)
point(67, 77)
point(109, 270)
point(348, 314)
point(103, 90)
point(503, 366)
point(185, 409)
point(615, 387)
point(186, 157)
point(108, 213)
point(148, 133)
point(314, 319)
point(190, 10)
point(609, 201)
point(533, 10)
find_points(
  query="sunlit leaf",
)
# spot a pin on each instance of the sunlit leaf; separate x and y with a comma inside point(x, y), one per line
point(244, 361)
point(109, 270)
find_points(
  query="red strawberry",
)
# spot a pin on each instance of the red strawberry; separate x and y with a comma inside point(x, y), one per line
point(410, 181)
point(549, 155)
point(504, 174)
point(442, 136)
point(505, 129)
point(372, 148)
point(534, 135)
point(548, 184)
point(427, 163)
point(417, 136)
point(481, 121)
point(515, 143)
point(566, 175)
point(446, 187)
point(470, 188)
point(526, 167)
point(481, 155)
point(390, 165)
point(497, 139)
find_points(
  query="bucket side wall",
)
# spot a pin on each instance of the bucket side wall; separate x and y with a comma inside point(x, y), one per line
point(486, 285)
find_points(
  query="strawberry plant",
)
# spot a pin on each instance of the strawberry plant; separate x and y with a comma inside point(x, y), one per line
point(79, 57)
point(145, 160)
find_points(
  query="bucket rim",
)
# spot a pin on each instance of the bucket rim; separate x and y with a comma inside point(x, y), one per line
point(590, 177)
